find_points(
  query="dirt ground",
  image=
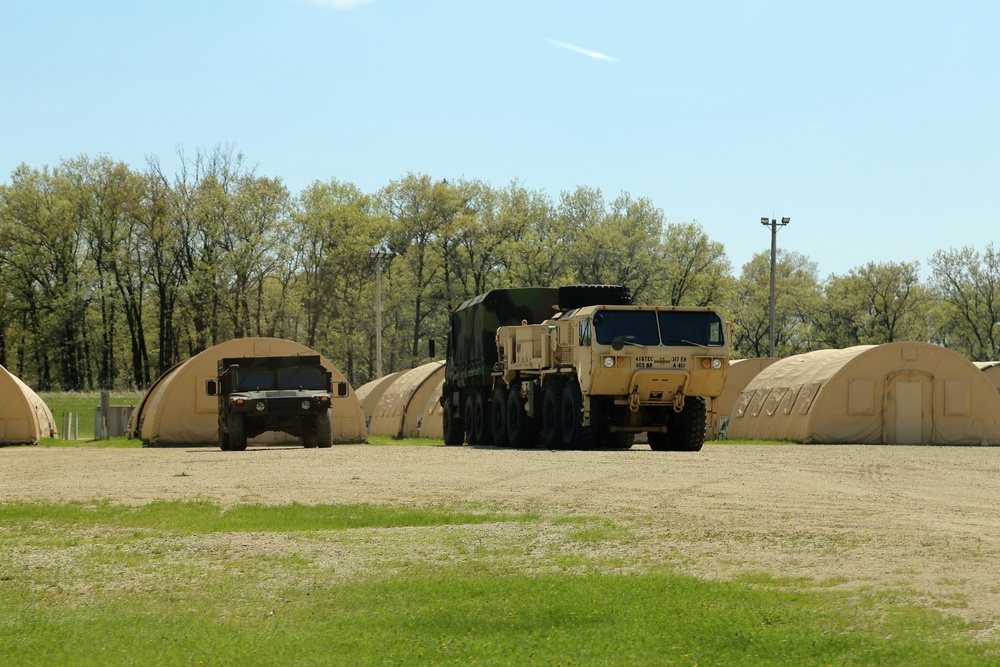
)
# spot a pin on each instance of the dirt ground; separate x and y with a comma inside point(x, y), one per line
point(921, 519)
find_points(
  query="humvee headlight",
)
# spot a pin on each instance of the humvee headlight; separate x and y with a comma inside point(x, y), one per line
point(609, 362)
point(306, 405)
point(716, 364)
point(259, 407)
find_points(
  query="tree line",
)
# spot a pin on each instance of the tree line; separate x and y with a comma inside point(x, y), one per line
point(110, 275)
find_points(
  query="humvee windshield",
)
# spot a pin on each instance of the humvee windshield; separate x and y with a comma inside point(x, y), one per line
point(254, 380)
point(300, 378)
point(287, 378)
point(639, 327)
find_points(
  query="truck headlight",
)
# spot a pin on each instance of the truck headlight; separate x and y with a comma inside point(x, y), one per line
point(306, 405)
point(716, 364)
point(259, 407)
point(609, 362)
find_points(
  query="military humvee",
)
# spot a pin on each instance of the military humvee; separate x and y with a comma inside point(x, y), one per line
point(287, 394)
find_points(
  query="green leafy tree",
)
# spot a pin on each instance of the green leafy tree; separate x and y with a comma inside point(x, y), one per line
point(874, 304)
point(797, 297)
point(695, 270)
point(968, 282)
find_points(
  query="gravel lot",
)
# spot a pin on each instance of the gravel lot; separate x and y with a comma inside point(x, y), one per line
point(924, 519)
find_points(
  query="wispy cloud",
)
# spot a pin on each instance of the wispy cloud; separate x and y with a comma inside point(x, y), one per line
point(333, 4)
point(587, 52)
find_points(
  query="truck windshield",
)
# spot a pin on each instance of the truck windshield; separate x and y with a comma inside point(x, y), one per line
point(254, 380)
point(632, 326)
point(691, 328)
point(300, 378)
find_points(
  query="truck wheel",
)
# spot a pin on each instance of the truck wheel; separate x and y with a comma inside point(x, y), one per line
point(454, 430)
point(498, 416)
point(620, 440)
point(658, 442)
point(237, 432)
point(521, 429)
point(552, 416)
point(470, 421)
point(484, 433)
point(324, 430)
point(687, 429)
point(223, 440)
point(575, 434)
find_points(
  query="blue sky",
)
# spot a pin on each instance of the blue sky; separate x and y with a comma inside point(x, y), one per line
point(874, 126)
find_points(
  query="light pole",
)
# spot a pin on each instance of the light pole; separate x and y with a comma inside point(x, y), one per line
point(774, 225)
point(378, 254)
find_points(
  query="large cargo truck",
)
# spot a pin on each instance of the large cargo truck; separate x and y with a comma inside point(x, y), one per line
point(592, 371)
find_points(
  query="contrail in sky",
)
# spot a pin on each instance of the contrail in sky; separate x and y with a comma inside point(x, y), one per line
point(587, 52)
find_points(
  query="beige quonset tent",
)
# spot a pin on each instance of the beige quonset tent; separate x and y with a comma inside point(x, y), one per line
point(432, 423)
point(897, 393)
point(370, 393)
point(992, 370)
point(741, 371)
point(24, 417)
point(403, 403)
point(177, 410)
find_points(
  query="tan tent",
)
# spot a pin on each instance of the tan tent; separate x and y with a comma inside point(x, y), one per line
point(370, 392)
point(402, 404)
point(176, 408)
point(992, 370)
point(741, 371)
point(432, 423)
point(24, 417)
point(897, 393)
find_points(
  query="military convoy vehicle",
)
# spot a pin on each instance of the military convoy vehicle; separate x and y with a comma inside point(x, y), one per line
point(581, 367)
point(287, 394)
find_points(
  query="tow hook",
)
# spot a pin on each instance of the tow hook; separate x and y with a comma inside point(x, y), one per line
point(678, 402)
point(633, 400)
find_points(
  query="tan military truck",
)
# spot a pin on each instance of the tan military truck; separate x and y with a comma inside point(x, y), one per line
point(597, 375)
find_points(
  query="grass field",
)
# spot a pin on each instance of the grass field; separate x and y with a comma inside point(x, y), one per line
point(84, 404)
point(181, 583)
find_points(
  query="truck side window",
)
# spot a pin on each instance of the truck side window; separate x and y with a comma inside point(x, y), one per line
point(584, 332)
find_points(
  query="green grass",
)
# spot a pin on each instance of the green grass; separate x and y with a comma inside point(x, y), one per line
point(84, 404)
point(194, 517)
point(181, 583)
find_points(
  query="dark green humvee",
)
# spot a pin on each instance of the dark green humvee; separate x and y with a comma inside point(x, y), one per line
point(287, 394)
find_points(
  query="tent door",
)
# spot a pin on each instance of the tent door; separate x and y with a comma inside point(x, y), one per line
point(908, 408)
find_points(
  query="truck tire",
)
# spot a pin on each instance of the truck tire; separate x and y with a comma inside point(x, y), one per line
point(223, 439)
point(498, 416)
point(237, 432)
point(575, 434)
point(454, 429)
point(552, 416)
point(687, 429)
point(619, 440)
point(572, 297)
point(471, 436)
point(484, 432)
point(324, 430)
point(521, 430)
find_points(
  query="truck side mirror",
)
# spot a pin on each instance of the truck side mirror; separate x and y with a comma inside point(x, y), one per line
point(212, 387)
point(341, 389)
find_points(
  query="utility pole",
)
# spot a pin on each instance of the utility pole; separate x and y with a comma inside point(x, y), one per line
point(378, 254)
point(774, 225)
